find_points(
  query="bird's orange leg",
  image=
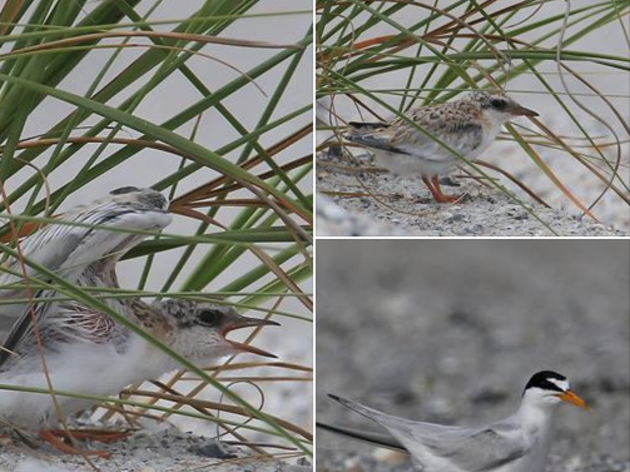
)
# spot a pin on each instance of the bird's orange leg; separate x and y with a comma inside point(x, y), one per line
point(433, 185)
point(92, 435)
point(51, 438)
point(445, 198)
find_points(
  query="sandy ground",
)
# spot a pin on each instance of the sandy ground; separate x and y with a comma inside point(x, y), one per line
point(404, 206)
point(450, 331)
point(166, 451)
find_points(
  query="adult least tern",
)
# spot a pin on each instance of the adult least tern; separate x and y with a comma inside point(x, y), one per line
point(86, 351)
point(519, 443)
point(469, 126)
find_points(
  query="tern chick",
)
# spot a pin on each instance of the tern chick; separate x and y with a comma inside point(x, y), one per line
point(469, 126)
point(86, 351)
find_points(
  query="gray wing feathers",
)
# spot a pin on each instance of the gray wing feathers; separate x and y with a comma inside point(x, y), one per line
point(358, 125)
point(403, 138)
point(371, 437)
point(68, 251)
point(23, 326)
point(376, 142)
point(474, 450)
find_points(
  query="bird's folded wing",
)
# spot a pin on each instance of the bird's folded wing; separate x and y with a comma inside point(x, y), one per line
point(406, 139)
point(463, 137)
point(474, 450)
point(380, 139)
point(371, 437)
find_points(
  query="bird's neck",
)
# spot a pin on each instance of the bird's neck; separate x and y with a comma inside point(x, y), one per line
point(146, 361)
point(537, 417)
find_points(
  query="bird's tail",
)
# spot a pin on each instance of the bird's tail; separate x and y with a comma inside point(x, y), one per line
point(358, 125)
point(358, 128)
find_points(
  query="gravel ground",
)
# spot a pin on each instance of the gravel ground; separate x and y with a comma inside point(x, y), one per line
point(450, 331)
point(406, 206)
point(165, 451)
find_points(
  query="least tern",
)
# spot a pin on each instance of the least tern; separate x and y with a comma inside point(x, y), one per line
point(469, 126)
point(86, 351)
point(519, 443)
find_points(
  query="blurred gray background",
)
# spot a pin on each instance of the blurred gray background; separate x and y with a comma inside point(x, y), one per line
point(450, 331)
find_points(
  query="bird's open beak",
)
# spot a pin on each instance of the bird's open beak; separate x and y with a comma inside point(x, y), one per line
point(571, 397)
point(244, 322)
point(522, 111)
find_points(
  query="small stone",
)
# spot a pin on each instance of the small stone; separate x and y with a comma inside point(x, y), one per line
point(335, 151)
point(474, 229)
point(456, 217)
point(212, 449)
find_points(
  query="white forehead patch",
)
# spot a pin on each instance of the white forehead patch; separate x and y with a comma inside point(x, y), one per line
point(561, 384)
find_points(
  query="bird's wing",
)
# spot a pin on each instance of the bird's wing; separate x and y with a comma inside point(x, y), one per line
point(470, 449)
point(464, 136)
point(474, 449)
point(401, 137)
point(67, 249)
point(70, 250)
point(375, 136)
point(371, 437)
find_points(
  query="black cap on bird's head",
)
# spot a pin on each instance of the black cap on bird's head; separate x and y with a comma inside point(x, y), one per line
point(553, 385)
point(547, 380)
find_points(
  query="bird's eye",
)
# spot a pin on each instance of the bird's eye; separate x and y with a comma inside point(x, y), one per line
point(209, 317)
point(497, 104)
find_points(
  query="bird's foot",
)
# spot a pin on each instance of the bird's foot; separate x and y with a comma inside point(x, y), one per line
point(93, 435)
point(450, 198)
point(433, 184)
point(397, 196)
point(54, 439)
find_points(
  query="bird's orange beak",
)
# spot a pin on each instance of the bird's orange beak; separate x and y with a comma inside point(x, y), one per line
point(571, 397)
point(522, 111)
point(244, 322)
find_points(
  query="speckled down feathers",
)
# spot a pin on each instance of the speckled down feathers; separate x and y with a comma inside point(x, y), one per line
point(464, 125)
